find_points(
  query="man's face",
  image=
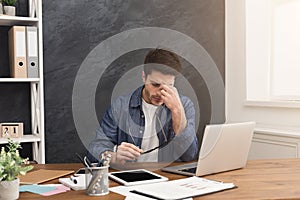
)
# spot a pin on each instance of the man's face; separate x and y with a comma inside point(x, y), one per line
point(152, 90)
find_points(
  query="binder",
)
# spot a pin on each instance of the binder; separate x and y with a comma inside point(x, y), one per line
point(17, 52)
point(32, 52)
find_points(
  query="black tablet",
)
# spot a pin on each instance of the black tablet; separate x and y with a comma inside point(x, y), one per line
point(137, 176)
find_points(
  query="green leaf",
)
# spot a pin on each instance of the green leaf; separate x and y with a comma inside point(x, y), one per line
point(9, 2)
point(11, 163)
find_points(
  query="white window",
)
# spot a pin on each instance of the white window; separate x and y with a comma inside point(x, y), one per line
point(273, 50)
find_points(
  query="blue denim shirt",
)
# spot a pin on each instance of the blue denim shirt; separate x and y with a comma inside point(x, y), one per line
point(124, 121)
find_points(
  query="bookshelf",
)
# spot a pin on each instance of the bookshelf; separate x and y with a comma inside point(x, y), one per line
point(37, 135)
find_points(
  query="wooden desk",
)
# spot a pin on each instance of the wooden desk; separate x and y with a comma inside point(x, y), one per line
point(261, 179)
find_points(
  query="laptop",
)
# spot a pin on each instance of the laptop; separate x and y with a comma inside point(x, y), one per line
point(224, 147)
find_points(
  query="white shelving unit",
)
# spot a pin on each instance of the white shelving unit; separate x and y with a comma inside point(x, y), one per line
point(37, 135)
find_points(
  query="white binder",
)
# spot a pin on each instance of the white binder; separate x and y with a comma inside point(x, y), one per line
point(32, 52)
point(17, 52)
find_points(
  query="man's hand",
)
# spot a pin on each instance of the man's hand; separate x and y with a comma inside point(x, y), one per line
point(171, 99)
point(126, 152)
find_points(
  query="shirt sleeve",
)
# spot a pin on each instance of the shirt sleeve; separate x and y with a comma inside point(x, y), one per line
point(184, 146)
point(106, 135)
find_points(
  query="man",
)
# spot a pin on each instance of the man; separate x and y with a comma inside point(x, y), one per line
point(152, 124)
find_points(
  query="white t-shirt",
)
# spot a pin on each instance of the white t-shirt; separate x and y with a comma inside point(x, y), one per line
point(150, 139)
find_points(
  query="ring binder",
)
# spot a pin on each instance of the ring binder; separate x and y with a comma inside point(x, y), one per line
point(17, 52)
point(32, 52)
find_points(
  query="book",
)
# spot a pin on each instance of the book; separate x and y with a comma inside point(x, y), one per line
point(181, 188)
point(43, 175)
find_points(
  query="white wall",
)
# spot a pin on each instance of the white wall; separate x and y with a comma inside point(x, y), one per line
point(236, 110)
point(277, 120)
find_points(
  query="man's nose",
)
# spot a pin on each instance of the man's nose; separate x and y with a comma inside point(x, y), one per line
point(158, 91)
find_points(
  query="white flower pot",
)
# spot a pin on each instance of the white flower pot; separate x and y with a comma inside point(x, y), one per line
point(1, 9)
point(9, 190)
point(10, 10)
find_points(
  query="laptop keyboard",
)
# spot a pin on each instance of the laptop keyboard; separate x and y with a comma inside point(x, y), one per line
point(190, 170)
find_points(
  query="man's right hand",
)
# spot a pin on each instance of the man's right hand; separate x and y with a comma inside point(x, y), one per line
point(126, 152)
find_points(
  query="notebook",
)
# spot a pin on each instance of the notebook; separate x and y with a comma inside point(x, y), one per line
point(43, 175)
point(224, 147)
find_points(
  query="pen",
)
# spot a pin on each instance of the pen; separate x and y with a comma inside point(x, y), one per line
point(144, 194)
point(83, 162)
point(87, 162)
point(80, 158)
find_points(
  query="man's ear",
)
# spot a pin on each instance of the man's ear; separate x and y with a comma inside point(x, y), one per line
point(143, 76)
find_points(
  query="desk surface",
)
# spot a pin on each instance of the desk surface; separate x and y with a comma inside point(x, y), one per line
point(260, 179)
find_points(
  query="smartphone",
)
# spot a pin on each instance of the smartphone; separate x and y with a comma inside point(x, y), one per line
point(80, 171)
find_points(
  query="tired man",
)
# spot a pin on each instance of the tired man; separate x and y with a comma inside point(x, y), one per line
point(153, 123)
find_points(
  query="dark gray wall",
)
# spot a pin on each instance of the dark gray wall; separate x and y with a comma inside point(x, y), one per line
point(73, 28)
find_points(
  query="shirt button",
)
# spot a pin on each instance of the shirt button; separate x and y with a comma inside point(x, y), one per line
point(141, 131)
point(142, 116)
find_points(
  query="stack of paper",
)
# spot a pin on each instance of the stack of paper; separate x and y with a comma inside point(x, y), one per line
point(176, 189)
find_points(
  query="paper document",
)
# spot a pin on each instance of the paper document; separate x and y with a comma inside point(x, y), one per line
point(125, 191)
point(182, 188)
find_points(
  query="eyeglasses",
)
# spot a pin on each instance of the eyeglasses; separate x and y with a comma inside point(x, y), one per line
point(158, 147)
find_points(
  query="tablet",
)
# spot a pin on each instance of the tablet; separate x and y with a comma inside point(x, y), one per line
point(136, 176)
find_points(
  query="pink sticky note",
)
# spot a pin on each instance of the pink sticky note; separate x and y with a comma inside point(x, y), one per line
point(59, 189)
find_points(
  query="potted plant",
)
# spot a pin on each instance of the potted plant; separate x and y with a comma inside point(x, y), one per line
point(11, 166)
point(9, 7)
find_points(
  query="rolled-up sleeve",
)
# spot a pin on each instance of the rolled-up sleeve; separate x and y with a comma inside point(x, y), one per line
point(184, 146)
point(106, 135)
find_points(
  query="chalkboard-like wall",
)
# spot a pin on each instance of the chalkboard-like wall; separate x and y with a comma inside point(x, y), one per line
point(71, 29)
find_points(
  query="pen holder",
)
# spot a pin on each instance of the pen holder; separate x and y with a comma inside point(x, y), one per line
point(96, 179)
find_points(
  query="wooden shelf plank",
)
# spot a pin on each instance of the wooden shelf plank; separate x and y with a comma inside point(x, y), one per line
point(25, 138)
point(6, 20)
point(19, 80)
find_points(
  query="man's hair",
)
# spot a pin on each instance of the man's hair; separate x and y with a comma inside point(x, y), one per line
point(163, 61)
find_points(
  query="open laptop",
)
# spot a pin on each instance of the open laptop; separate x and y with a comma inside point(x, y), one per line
point(224, 147)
